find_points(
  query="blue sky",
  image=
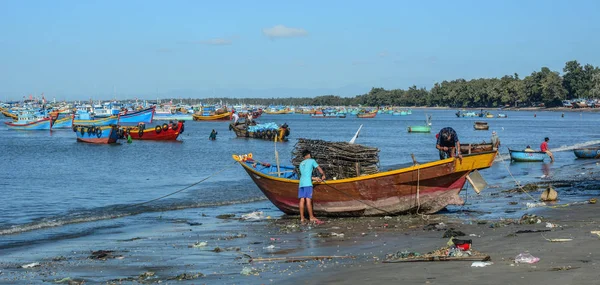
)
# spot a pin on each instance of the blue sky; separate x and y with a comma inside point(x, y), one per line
point(83, 49)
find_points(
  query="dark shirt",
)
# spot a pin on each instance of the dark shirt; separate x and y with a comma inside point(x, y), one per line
point(441, 141)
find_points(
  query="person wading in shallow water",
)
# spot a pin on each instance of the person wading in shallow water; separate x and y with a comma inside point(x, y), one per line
point(305, 189)
point(448, 143)
point(213, 135)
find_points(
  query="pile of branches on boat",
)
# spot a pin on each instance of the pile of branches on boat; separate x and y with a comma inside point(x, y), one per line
point(339, 160)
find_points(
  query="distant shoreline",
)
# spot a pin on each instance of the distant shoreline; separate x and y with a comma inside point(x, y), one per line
point(554, 109)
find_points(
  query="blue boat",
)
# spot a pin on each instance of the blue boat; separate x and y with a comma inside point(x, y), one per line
point(30, 120)
point(113, 120)
point(97, 135)
point(527, 156)
point(143, 116)
point(63, 123)
point(592, 152)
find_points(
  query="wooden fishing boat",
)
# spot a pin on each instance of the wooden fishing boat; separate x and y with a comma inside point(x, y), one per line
point(113, 120)
point(217, 117)
point(481, 126)
point(590, 152)
point(470, 148)
point(63, 123)
point(366, 115)
point(527, 156)
point(276, 112)
point(241, 131)
point(142, 116)
point(426, 188)
point(97, 134)
point(419, 129)
point(8, 114)
point(29, 125)
point(488, 115)
point(164, 132)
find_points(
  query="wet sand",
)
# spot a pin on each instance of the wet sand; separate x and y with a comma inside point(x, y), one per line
point(165, 253)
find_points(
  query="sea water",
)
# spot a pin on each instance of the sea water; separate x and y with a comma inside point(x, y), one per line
point(55, 188)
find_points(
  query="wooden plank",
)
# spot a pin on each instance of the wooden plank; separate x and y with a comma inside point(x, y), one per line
point(441, 258)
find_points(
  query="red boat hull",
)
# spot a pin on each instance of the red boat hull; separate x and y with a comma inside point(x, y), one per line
point(165, 134)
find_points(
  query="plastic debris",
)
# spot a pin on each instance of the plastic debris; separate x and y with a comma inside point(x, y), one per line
point(387, 218)
point(269, 247)
point(526, 257)
point(595, 233)
point(249, 271)
point(551, 225)
point(66, 279)
point(337, 235)
point(481, 264)
point(254, 216)
point(31, 265)
point(199, 244)
point(530, 219)
point(534, 205)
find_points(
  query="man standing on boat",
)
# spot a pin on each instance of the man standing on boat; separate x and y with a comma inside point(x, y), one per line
point(305, 190)
point(495, 141)
point(235, 117)
point(448, 143)
point(544, 148)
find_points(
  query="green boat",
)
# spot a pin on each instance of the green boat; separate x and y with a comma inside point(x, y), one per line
point(419, 129)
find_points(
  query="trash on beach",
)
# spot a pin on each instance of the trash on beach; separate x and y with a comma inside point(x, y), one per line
point(530, 219)
point(530, 231)
point(249, 271)
point(534, 205)
point(481, 264)
point(551, 225)
point(526, 257)
point(435, 226)
point(30, 265)
point(187, 276)
point(103, 255)
point(328, 235)
point(269, 247)
point(453, 233)
point(387, 218)
point(66, 279)
point(593, 201)
point(595, 233)
point(254, 216)
point(221, 249)
point(199, 244)
point(239, 235)
point(146, 275)
point(225, 216)
point(549, 194)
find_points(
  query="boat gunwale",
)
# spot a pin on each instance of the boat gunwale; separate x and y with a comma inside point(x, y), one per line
point(369, 176)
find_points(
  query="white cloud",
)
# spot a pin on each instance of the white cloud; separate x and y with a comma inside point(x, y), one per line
point(281, 31)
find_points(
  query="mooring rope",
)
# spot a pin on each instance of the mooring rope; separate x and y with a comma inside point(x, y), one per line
point(185, 188)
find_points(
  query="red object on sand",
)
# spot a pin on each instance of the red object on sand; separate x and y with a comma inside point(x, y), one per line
point(464, 246)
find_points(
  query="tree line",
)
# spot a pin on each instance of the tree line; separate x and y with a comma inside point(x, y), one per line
point(545, 86)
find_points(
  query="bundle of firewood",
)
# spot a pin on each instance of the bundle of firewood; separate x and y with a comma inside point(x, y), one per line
point(339, 159)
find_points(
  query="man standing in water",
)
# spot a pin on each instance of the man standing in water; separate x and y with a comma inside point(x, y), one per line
point(544, 148)
point(305, 190)
point(448, 143)
point(213, 135)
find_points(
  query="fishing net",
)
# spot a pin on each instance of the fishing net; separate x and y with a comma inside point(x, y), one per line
point(339, 160)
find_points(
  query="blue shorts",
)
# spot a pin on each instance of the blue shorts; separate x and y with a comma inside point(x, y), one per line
point(305, 192)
